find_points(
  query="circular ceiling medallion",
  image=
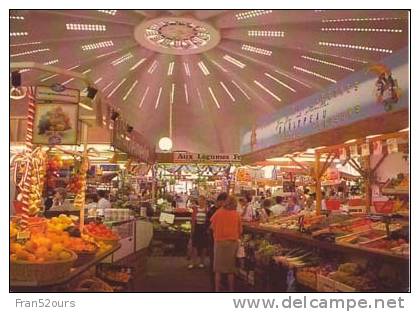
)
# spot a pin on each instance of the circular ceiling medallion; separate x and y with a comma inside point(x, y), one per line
point(176, 35)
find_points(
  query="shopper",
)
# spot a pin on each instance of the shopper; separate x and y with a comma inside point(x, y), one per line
point(227, 229)
point(220, 201)
point(310, 203)
point(266, 207)
point(279, 208)
point(292, 205)
point(199, 232)
point(248, 211)
point(103, 202)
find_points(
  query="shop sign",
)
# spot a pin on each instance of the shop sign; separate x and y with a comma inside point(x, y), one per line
point(55, 124)
point(392, 145)
point(364, 94)
point(365, 149)
point(136, 147)
point(168, 218)
point(377, 148)
point(353, 151)
point(57, 93)
point(185, 157)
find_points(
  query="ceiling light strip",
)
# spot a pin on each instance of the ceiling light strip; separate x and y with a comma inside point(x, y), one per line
point(253, 49)
point(67, 81)
point(122, 59)
point(171, 68)
point(280, 82)
point(144, 96)
point(265, 33)
point(87, 71)
point(234, 61)
point(214, 97)
point(361, 19)
point(293, 78)
point(25, 44)
point(227, 91)
point(326, 63)
point(97, 45)
point(109, 12)
point(30, 52)
point(107, 86)
point(339, 56)
point(219, 66)
point(15, 17)
point(393, 30)
point(187, 69)
point(314, 74)
point(152, 67)
point(352, 46)
point(116, 88)
point(137, 64)
point(86, 27)
point(98, 80)
point(158, 98)
point(203, 68)
point(240, 89)
point(171, 98)
point(18, 33)
point(186, 93)
point(108, 53)
point(48, 78)
point(252, 14)
point(200, 99)
point(266, 90)
point(130, 90)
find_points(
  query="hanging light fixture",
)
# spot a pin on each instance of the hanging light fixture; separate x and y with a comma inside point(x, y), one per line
point(165, 144)
point(17, 92)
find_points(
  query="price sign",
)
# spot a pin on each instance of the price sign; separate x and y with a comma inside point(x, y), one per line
point(167, 218)
point(23, 236)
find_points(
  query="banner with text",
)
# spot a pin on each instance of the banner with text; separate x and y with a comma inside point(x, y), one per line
point(185, 157)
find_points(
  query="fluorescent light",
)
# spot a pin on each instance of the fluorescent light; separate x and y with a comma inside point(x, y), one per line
point(314, 74)
point(350, 141)
point(130, 90)
point(171, 68)
point(253, 49)
point(137, 64)
point(364, 19)
point(240, 89)
point(363, 29)
point(280, 82)
point(171, 98)
point(373, 136)
point(18, 34)
point(234, 61)
point(116, 88)
point(158, 98)
point(186, 93)
point(87, 107)
point(203, 68)
point(97, 45)
point(326, 63)
point(265, 33)
point(214, 98)
point(404, 130)
point(144, 96)
point(251, 14)
point(266, 90)
point(219, 66)
point(187, 69)
point(122, 59)
point(152, 67)
point(227, 91)
point(86, 27)
point(353, 46)
point(109, 12)
point(30, 52)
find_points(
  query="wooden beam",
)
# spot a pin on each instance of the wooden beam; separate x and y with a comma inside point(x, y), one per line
point(379, 163)
point(299, 164)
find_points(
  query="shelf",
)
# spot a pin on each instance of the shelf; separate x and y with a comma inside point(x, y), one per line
point(309, 241)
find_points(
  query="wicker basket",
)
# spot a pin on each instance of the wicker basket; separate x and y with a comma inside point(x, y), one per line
point(41, 272)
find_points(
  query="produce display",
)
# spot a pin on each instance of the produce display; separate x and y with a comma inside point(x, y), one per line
point(60, 223)
point(355, 276)
point(398, 246)
point(399, 183)
point(100, 231)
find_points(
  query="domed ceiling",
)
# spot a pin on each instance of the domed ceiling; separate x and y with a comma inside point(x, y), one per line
point(219, 69)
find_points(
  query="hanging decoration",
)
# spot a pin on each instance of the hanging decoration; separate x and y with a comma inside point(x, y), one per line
point(392, 145)
point(365, 149)
point(354, 151)
point(377, 148)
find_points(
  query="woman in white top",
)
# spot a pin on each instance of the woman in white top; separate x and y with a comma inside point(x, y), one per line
point(278, 208)
point(103, 203)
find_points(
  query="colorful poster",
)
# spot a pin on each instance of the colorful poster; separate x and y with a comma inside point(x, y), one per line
point(343, 153)
point(365, 149)
point(392, 145)
point(55, 124)
point(377, 148)
point(354, 151)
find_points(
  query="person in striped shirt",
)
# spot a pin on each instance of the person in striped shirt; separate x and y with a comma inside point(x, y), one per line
point(199, 238)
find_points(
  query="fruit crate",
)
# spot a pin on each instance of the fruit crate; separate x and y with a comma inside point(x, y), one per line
point(326, 284)
point(306, 279)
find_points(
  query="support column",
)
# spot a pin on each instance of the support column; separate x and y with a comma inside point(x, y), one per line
point(318, 183)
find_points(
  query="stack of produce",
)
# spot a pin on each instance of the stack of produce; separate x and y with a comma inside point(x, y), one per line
point(398, 246)
point(296, 258)
point(81, 183)
point(355, 276)
point(100, 232)
point(60, 223)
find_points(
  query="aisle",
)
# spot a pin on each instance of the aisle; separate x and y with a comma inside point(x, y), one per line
point(170, 274)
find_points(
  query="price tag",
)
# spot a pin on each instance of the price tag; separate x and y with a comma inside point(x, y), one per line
point(167, 218)
point(23, 235)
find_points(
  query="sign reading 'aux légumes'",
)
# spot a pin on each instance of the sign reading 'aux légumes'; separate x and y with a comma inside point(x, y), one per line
point(183, 157)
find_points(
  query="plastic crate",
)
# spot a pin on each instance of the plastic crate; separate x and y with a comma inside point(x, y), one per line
point(384, 206)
